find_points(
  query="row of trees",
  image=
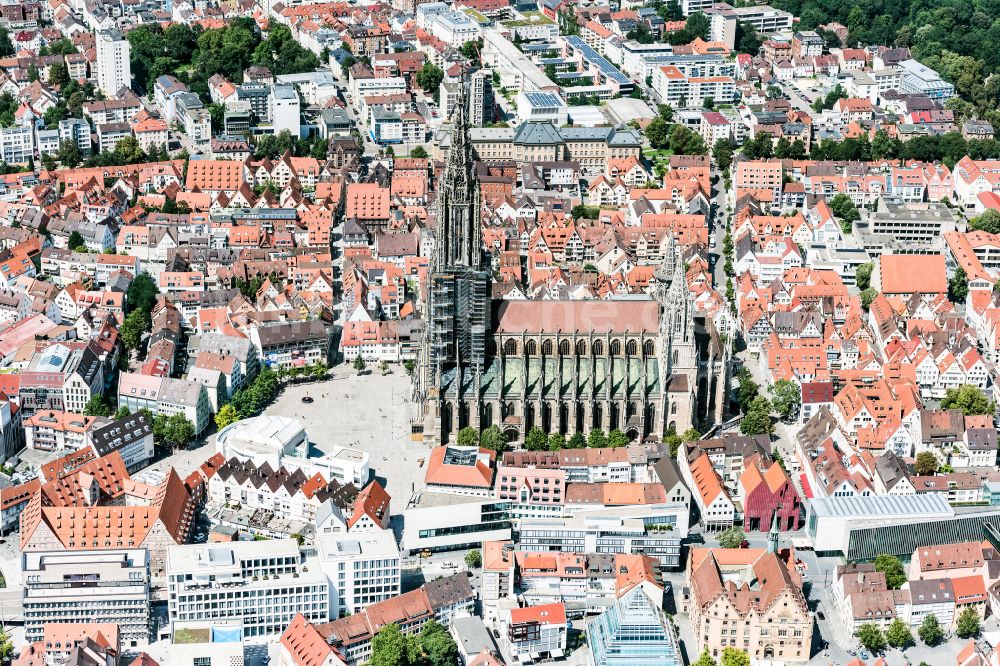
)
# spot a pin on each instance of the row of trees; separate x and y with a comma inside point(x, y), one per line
point(493, 438)
point(251, 400)
point(730, 657)
point(898, 634)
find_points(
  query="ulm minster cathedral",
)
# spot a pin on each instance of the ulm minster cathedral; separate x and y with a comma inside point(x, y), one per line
point(646, 365)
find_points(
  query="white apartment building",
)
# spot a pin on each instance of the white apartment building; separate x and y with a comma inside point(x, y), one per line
point(17, 144)
point(285, 109)
point(385, 85)
point(87, 586)
point(113, 68)
point(262, 584)
point(362, 569)
point(535, 632)
point(680, 90)
point(764, 18)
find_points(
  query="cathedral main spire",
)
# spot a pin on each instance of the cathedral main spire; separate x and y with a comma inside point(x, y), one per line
point(459, 233)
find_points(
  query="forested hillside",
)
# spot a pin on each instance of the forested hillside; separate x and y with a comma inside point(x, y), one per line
point(959, 38)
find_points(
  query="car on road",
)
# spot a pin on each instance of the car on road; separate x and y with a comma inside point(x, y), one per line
point(307, 399)
point(821, 615)
point(745, 544)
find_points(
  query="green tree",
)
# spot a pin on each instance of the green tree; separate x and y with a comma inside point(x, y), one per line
point(128, 151)
point(867, 296)
point(436, 646)
point(136, 323)
point(122, 412)
point(557, 441)
point(930, 630)
point(282, 54)
point(98, 406)
point(69, 154)
point(409, 365)
point(705, 659)
point(359, 364)
point(617, 439)
point(843, 207)
point(657, 131)
point(722, 153)
point(690, 435)
point(468, 436)
point(471, 49)
point(958, 286)
point(419, 151)
point(389, 647)
point(969, 398)
point(179, 431)
point(734, 657)
point(6, 647)
point(597, 439)
point(227, 415)
point(732, 537)
point(747, 39)
point(871, 637)
point(577, 441)
point(757, 420)
point(895, 574)
point(863, 275)
point(76, 241)
point(925, 463)
point(696, 26)
point(58, 74)
point(786, 396)
point(898, 634)
point(536, 440)
point(429, 78)
point(884, 146)
point(988, 221)
point(968, 623)
point(686, 142)
point(673, 442)
point(747, 388)
point(493, 438)
point(141, 294)
point(8, 106)
point(6, 50)
point(474, 559)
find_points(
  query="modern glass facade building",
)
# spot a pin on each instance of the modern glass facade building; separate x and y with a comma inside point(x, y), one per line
point(633, 632)
point(861, 528)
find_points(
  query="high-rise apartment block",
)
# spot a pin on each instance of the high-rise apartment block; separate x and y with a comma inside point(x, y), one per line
point(113, 68)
